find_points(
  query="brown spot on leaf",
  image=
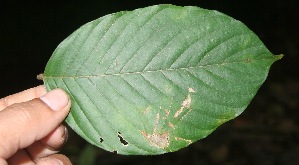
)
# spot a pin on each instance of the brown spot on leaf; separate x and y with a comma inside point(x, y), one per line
point(147, 109)
point(186, 104)
point(170, 125)
point(157, 139)
point(191, 90)
point(247, 60)
point(186, 140)
point(167, 112)
point(157, 121)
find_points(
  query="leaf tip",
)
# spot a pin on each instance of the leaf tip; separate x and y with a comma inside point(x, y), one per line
point(278, 57)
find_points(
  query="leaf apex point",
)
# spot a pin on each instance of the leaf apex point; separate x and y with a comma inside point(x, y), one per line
point(278, 57)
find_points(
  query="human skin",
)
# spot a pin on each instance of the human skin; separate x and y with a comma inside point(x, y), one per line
point(30, 127)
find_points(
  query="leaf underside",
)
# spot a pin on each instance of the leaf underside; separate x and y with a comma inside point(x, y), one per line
point(157, 79)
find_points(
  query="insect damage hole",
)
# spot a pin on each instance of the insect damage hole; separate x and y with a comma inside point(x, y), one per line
point(121, 139)
point(101, 140)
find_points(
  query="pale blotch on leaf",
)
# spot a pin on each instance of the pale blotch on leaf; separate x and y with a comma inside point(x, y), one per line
point(186, 104)
point(186, 140)
point(191, 90)
point(147, 109)
point(167, 112)
point(157, 139)
point(170, 125)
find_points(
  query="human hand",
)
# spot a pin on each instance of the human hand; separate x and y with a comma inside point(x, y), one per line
point(30, 127)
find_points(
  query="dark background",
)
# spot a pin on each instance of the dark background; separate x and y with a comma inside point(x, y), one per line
point(266, 133)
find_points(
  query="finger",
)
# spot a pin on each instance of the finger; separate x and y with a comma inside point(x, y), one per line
point(23, 96)
point(56, 159)
point(21, 157)
point(56, 139)
point(24, 123)
point(3, 162)
point(49, 145)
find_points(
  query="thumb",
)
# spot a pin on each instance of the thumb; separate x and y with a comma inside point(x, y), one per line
point(24, 123)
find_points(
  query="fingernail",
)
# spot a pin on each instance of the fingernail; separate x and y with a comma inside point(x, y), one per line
point(56, 99)
point(66, 135)
point(52, 161)
point(63, 133)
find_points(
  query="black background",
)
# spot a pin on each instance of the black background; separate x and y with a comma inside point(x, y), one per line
point(266, 133)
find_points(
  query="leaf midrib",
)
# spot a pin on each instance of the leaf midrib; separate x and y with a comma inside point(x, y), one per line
point(153, 71)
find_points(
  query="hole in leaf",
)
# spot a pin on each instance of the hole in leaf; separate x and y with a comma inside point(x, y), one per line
point(114, 151)
point(121, 139)
point(101, 140)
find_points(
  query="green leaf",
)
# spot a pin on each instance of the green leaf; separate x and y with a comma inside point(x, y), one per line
point(157, 79)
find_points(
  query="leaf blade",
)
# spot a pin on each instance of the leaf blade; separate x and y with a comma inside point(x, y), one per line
point(157, 79)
